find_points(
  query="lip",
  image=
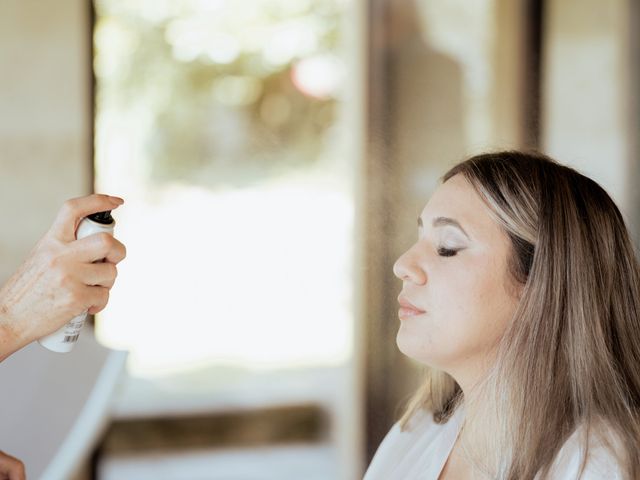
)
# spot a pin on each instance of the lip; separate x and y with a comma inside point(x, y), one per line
point(408, 309)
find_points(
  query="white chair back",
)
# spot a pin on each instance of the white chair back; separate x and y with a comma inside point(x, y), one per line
point(54, 407)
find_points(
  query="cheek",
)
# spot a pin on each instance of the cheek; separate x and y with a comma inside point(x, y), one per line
point(476, 307)
point(461, 298)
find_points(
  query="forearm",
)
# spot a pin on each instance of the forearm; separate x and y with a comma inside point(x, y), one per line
point(13, 334)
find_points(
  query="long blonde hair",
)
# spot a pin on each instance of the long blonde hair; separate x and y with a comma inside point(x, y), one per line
point(571, 355)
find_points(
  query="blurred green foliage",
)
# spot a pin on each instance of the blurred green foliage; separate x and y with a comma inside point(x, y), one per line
point(214, 83)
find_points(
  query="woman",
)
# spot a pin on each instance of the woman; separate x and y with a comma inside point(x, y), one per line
point(521, 296)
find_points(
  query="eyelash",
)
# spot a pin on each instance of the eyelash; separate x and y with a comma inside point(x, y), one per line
point(446, 252)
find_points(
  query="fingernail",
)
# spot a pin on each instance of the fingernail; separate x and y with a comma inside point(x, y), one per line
point(118, 200)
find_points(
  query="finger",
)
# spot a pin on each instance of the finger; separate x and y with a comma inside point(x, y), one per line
point(98, 274)
point(99, 246)
point(74, 210)
point(116, 253)
point(99, 297)
point(11, 467)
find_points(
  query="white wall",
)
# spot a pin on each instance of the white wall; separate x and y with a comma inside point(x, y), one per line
point(44, 118)
point(586, 91)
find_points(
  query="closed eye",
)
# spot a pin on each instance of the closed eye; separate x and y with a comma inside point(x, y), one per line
point(446, 252)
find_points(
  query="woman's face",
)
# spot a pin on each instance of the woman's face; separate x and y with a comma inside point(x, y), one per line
point(457, 296)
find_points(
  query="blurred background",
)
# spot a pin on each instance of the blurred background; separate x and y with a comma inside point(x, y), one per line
point(274, 155)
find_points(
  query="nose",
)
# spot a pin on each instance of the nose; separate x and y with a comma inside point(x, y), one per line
point(408, 269)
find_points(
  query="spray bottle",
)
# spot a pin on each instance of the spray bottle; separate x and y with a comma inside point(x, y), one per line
point(64, 339)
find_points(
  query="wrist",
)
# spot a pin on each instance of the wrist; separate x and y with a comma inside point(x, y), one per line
point(11, 338)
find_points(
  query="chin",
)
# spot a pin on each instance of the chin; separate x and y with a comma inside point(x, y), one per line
point(411, 346)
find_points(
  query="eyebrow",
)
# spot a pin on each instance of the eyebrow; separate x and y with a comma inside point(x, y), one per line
point(443, 221)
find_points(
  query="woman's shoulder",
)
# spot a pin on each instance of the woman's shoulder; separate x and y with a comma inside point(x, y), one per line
point(420, 427)
point(415, 447)
point(597, 446)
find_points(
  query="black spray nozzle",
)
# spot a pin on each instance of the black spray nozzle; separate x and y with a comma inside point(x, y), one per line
point(103, 218)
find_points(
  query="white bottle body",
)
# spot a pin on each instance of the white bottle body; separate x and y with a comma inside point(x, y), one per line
point(64, 339)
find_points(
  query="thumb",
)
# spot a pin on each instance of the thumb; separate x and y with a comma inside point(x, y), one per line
point(74, 210)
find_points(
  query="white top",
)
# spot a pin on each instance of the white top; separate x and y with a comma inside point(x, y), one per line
point(421, 453)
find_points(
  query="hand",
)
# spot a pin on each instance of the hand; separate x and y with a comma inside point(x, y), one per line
point(11, 468)
point(59, 280)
